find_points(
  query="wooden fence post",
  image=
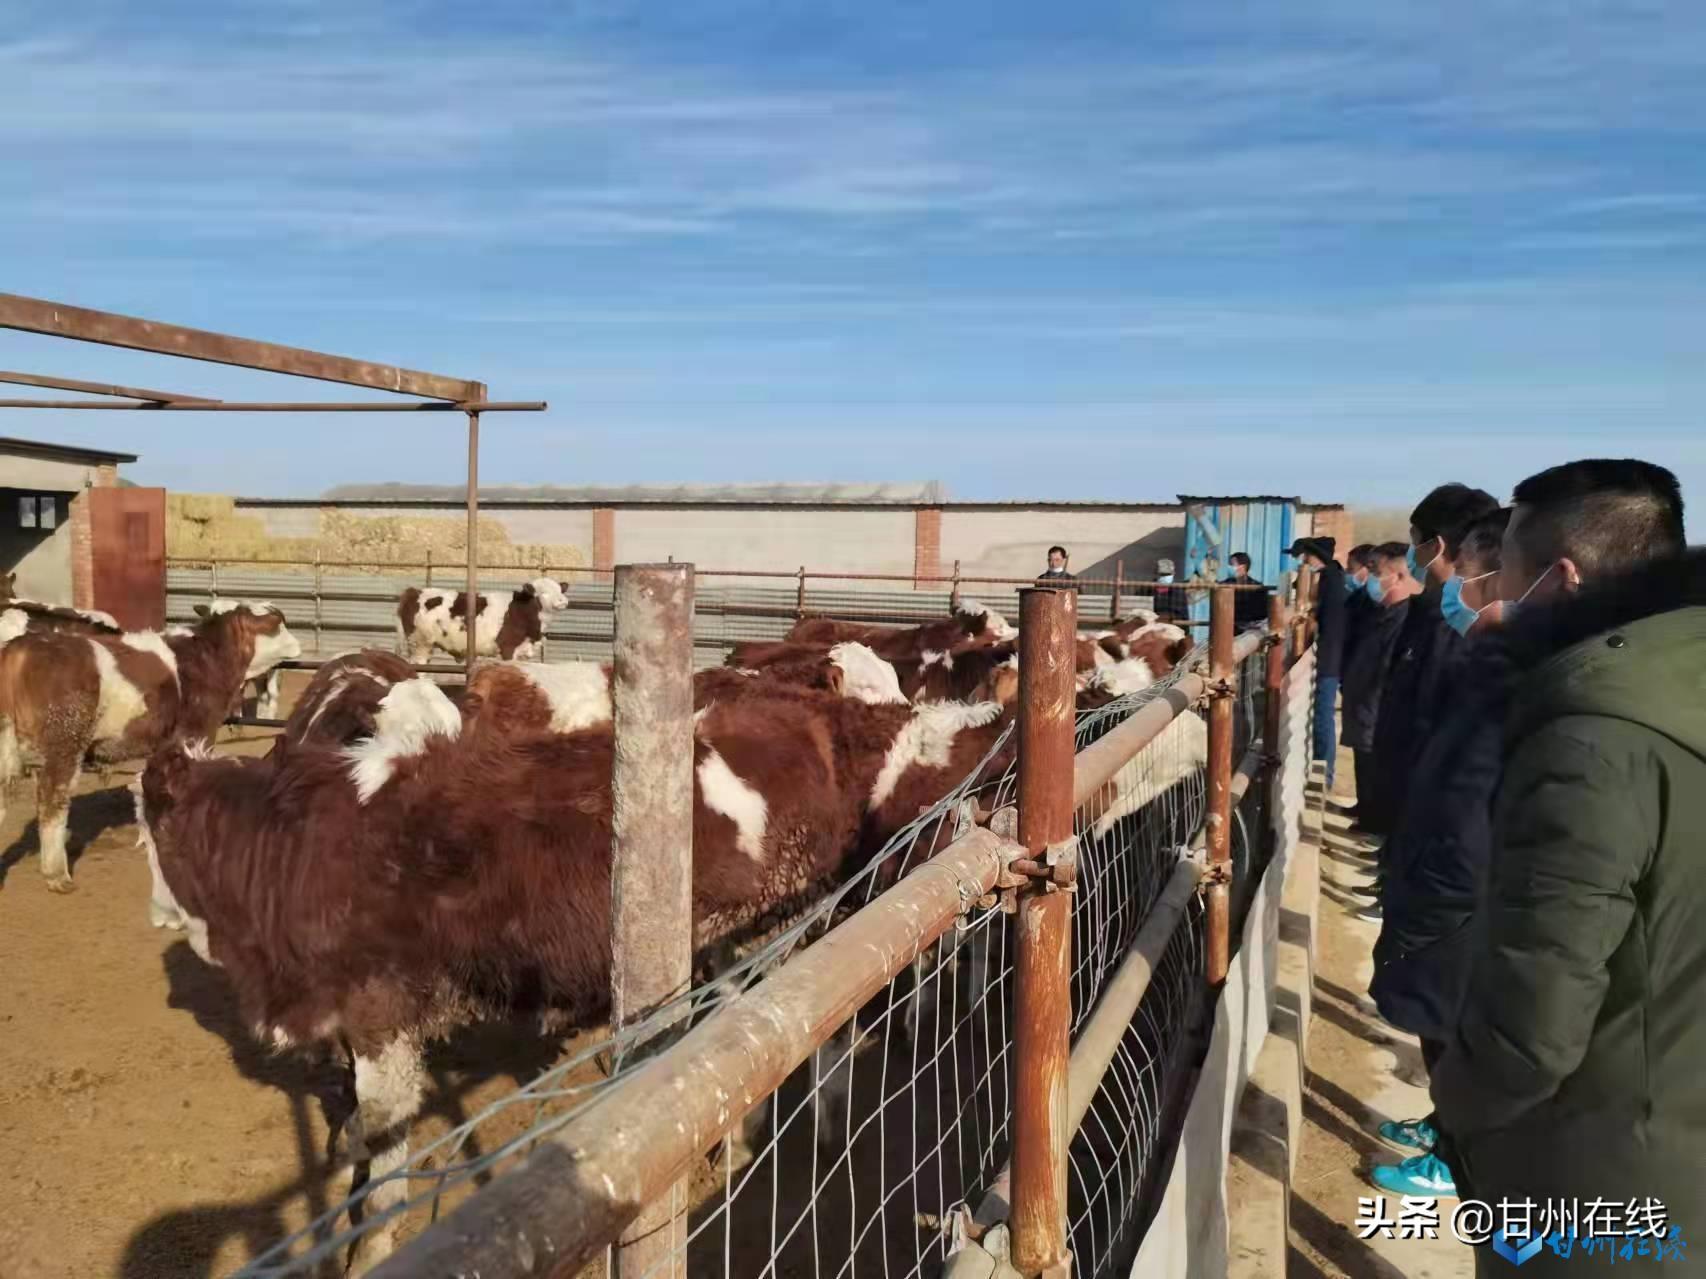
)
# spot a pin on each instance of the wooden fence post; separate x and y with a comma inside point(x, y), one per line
point(1042, 993)
point(651, 883)
point(1222, 688)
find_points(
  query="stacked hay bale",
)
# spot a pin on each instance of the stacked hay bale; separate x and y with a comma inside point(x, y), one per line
point(209, 527)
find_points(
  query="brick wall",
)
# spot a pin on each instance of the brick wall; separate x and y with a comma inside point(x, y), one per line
point(927, 546)
point(82, 539)
point(1341, 527)
point(604, 542)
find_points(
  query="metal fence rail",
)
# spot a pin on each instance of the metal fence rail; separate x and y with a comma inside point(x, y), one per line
point(857, 1093)
point(336, 606)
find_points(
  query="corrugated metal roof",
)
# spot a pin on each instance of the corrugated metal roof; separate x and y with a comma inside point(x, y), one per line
point(62, 452)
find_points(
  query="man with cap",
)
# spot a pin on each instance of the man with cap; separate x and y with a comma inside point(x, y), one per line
point(1171, 603)
point(1328, 591)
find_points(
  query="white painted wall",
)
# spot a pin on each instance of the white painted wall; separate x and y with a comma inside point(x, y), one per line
point(827, 539)
point(1014, 542)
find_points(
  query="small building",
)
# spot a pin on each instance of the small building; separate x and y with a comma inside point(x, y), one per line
point(52, 497)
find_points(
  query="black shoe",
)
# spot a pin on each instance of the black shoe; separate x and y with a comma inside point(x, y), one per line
point(1370, 912)
point(1366, 890)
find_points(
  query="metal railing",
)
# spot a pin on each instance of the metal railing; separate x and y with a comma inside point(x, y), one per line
point(1008, 1025)
point(336, 605)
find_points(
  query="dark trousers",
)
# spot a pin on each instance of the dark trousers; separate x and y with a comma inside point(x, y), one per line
point(1368, 801)
point(1326, 736)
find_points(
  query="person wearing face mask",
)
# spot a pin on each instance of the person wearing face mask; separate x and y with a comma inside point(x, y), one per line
point(1412, 694)
point(1574, 1071)
point(1435, 864)
point(1385, 602)
point(1057, 574)
point(1249, 607)
point(1328, 592)
point(1359, 607)
point(1171, 603)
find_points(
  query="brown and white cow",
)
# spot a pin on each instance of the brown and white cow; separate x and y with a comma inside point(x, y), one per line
point(509, 624)
point(65, 698)
point(427, 875)
point(971, 621)
point(1178, 752)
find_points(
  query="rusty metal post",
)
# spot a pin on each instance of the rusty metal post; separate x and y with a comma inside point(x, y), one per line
point(1222, 675)
point(1273, 706)
point(1042, 994)
point(319, 606)
point(651, 881)
point(800, 596)
point(1119, 582)
point(954, 594)
point(471, 618)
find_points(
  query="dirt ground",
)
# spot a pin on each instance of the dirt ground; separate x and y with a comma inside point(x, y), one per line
point(1361, 1072)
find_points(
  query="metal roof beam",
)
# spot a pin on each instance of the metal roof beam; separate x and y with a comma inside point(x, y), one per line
point(32, 315)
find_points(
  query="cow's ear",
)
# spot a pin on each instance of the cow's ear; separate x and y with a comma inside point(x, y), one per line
point(201, 610)
point(836, 679)
point(524, 592)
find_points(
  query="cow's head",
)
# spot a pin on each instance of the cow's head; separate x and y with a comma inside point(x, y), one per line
point(1161, 644)
point(856, 671)
point(553, 595)
point(981, 622)
point(258, 629)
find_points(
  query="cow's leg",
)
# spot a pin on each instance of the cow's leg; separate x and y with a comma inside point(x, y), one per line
point(388, 1087)
point(11, 763)
point(53, 807)
point(267, 706)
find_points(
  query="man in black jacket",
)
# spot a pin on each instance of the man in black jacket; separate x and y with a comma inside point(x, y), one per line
point(1386, 594)
point(1329, 593)
point(1426, 647)
point(1436, 863)
point(1171, 602)
point(1249, 607)
point(1057, 574)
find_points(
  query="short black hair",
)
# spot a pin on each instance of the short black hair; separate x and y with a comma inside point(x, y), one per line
point(1360, 557)
point(1392, 551)
point(1484, 540)
point(1606, 514)
point(1239, 557)
point(1448, 511)
point(1061, 549)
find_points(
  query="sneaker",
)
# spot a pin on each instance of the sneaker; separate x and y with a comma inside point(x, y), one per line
point(1412, 1134)
point(1371, 913)
point(1365, 890)
point(1423, 1176)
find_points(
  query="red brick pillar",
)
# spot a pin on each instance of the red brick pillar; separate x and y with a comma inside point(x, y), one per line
point(603, 542)
point(83, 539)
point(926, 546)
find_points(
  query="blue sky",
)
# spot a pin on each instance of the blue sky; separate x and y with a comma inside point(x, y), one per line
point(1082, 250)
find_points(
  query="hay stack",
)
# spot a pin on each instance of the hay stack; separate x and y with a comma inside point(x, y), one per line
point(208, 526)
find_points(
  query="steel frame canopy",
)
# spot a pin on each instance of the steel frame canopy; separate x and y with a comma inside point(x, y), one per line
point(433, 392)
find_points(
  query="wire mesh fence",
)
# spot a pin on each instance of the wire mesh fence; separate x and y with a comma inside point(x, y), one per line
point(856, 1163)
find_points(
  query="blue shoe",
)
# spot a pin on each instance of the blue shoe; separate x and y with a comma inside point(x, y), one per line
point(1423, 1177)
point(1412, 1134)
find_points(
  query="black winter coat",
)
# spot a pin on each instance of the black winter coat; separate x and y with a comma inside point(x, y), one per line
point(1365, 672)
point(1575, 1072)
point(1330, 621)
point(1413, 696)
point(1436, 862)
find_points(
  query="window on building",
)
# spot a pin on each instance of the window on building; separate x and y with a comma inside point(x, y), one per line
point(38, 511)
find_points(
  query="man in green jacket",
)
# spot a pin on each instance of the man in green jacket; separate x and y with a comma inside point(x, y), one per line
point(1578, 1070)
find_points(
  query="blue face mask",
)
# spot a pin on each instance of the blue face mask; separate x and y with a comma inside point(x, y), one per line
point(1376, 591)
point(1164, 577)
point(1417, 568)
point(1458, 615)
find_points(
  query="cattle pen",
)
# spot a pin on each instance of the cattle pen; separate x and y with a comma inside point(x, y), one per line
point(984, 1048)
point(981, 1048)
